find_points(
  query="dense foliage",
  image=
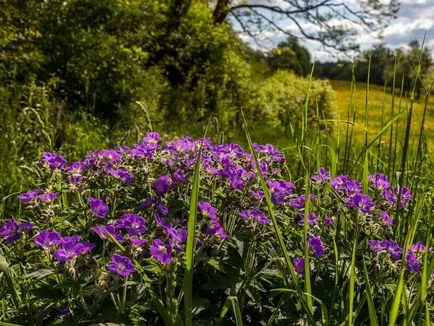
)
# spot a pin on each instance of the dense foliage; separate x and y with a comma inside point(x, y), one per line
point(78, 74)
point(103, 240)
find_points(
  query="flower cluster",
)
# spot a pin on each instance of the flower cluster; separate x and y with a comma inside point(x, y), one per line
point(65, 248)
point(124, 212)
point(392, 249)
point(13, 230)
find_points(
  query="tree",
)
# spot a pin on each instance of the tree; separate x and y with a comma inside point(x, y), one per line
point(290, 55)
point(332, 23)
point(406, 68)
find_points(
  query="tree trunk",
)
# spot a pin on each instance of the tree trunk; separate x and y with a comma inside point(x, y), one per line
point(221, 11)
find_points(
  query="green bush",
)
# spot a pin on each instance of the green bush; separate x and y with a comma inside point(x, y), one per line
point(280, 100)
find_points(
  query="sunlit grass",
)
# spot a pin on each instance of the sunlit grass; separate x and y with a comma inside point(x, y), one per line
point(379, 102)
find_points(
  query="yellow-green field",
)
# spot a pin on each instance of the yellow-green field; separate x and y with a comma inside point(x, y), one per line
point(379, 101)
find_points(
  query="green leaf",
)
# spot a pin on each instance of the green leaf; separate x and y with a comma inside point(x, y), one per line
point(189, 249)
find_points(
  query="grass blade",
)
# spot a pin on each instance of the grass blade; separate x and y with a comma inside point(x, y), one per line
point(368, 291)
point(276, 227)
point(189, 250)
point(237, 311)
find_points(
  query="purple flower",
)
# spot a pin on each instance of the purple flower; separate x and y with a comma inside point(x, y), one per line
point(322, 176)
point(387, 246)
point(345, 184)
point(152, 138)
point(123, 175)
point(214, 226)
point(298, 265)
point(255, 214)
point(146, 203)
point(179, 177)
point(362, 202)
point(386, 218)
point(75, 170)
point(134, 224)
point(121, 265)
point(418, 247)
point(206, 209)
point(405, 196)
point(143, 150)
point(97, 207)
point(328, 221)
point(12, 230)
point(103, 232)
point(394, 250)
point(316, 245)
point(389, 196)
point(311, 218)
point(412, 263)
point(53, 161)
point(161, 207)
point(73, 239)
point(162, 185)
point(376, 245)
point(300, 201)
point(65, 311)
point(279, 190)
point(47, 239)
point(257, 194)
point(178, 235)
point(49, 196)
point(162, 222)
point(379, 181)
point(161, 251)
point(27, 197)
point(70, 250)
point(137, 242)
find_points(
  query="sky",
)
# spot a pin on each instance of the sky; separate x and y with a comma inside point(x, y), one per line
point(414, 18)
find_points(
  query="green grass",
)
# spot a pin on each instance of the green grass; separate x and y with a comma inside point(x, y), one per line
point(379, 102)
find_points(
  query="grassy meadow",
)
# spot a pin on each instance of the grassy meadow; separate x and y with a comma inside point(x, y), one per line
point(380, 111)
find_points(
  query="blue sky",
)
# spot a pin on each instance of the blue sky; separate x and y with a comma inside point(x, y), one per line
point(415, 17)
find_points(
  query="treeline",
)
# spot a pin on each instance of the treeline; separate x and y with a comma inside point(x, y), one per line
point(385, 64)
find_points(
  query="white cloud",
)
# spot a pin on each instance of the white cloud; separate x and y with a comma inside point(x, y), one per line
point(415, 18)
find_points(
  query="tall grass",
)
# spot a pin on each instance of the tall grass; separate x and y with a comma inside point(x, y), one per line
point(398, 126)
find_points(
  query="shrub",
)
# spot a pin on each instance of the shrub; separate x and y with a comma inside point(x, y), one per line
point(280, 100)
point(103, 239)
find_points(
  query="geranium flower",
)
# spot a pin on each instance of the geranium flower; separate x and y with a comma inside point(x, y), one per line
point(12, 230)
point(361, 202)
point(97, 207)
point(103, 232)
point(256, 214)
point(316, 245)
point(134, 224)
point(123, 175)
point(161, 251)
point(47, 239)
point(72, 249)
point(386, 218)
point(49, 196)
point(379, 181)
point(121, 265)
point(162, 185)
point(322, 176)
point(413, 264)
point(27, 197)
point(53, 161)
point(298, 265)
